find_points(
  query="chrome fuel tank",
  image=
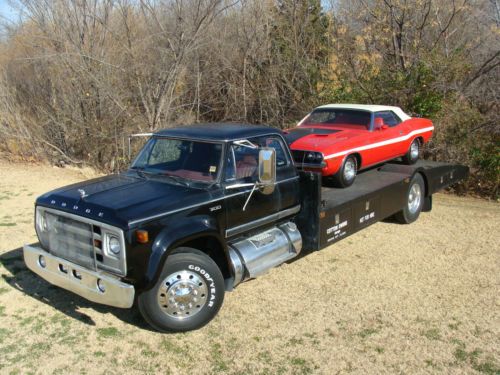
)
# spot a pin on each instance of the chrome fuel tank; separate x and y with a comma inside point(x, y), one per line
point(253, 256)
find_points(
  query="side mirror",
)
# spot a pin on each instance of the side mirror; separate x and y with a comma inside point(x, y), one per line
point(267, 169)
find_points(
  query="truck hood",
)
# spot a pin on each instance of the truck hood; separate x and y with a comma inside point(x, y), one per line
point(119, 199)
point(310, 138)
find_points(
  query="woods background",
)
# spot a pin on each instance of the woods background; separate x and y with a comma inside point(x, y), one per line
point(78, 76)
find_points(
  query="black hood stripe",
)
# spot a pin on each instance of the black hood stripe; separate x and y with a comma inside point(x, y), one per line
point(300, 132)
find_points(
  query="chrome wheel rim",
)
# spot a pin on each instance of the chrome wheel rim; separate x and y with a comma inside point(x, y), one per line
point(414, 150)
point(414, 198)
point(349, 169)
point(182, 294)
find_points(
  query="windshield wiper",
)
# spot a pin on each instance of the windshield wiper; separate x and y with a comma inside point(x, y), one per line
point(176, 178)
point(140, 172)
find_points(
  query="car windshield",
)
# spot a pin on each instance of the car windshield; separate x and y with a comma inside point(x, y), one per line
point(181, 160)
point(343, 118)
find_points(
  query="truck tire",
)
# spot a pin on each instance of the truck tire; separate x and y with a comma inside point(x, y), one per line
point(347, 173)
point(414, 201)
point(411, 157)
point(187, 295)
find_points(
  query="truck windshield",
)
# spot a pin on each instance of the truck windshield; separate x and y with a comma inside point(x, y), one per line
point(341, 118)
point(181, 159)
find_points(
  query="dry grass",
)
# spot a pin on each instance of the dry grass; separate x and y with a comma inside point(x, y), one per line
point(422, 298)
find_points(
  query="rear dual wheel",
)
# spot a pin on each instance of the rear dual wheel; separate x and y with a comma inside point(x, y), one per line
point(414, 201)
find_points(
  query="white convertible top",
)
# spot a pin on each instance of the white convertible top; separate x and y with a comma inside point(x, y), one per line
point(369, 108)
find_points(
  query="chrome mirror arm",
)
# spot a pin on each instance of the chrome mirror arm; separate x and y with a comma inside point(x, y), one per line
point(250, 196)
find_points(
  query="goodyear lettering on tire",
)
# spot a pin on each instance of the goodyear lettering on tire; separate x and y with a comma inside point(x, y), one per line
point(209, 279)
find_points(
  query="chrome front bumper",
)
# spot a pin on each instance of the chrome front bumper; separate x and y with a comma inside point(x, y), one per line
point(79, 280)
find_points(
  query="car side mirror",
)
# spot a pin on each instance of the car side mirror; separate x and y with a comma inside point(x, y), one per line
point(267, 169)
point(384, 127)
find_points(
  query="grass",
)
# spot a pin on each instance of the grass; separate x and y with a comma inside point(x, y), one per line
point(431, 363)
point(367, 332)
point(149, 353)
point(302, 365)
point(3, 334)
point(219, 363)
point(171, 346)
point(472, 358)
point(294, 342)
point(432, 334)
point(278, 324)
point(108, 332)
point(8, 224)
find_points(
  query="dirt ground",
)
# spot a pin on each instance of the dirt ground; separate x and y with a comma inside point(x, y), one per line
point(402, 299)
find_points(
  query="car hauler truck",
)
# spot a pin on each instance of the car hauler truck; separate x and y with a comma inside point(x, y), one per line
point(204, 208)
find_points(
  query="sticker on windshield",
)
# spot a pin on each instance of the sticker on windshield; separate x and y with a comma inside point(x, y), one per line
point(213, 169)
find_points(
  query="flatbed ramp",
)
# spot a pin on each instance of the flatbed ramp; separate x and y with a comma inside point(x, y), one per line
point(331, 214)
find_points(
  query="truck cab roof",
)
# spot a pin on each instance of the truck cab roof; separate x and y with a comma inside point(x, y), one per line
point(218, 132)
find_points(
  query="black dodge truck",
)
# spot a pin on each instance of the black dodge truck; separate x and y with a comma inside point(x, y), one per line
point(203, 208)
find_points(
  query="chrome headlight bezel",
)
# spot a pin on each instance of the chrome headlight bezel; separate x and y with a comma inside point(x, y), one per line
point(113, 244)
point(41, 227)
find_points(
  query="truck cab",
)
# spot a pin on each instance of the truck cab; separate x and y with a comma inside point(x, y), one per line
point(220, 196)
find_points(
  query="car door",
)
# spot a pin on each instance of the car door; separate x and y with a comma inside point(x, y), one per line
point(386, 138)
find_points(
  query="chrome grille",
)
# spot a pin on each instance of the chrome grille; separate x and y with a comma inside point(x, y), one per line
point(71, 240)
point(80, 240)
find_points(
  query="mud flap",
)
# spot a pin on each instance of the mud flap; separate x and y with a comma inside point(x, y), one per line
point(427, 207)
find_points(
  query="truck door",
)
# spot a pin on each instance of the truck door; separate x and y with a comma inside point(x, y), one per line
point(242, 169)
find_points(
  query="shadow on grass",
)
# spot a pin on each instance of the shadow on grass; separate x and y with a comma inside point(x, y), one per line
point(24, 280)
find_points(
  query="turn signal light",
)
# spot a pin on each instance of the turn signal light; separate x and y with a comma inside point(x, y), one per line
point(142, 236)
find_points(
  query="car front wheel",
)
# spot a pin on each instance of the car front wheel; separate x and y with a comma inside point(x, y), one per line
point(187, 295)
point(347, 174)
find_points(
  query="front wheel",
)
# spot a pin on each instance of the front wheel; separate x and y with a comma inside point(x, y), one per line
point(187, 295)
point(414, 201)
point(411, 157)
point(347, 173)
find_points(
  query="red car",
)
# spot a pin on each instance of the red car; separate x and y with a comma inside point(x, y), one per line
point(341, 139)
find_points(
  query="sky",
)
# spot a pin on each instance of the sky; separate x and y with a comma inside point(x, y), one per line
point(6, 11)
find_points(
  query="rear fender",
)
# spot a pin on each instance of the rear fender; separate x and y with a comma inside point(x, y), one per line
point(173, 236)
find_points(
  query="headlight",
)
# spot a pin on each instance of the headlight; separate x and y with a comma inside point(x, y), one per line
point(41, 223)
point(114, 245)
point(42, 227)
point(314, 157)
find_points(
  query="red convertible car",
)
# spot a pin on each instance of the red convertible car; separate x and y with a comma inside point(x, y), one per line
point(341, 139)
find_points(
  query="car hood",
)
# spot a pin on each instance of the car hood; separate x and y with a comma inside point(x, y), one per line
point(309, 138)
point(120, 199)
